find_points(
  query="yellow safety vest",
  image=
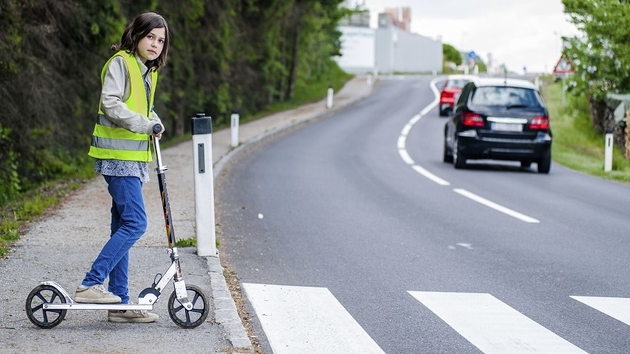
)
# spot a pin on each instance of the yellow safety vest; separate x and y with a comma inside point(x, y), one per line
point(113, 142)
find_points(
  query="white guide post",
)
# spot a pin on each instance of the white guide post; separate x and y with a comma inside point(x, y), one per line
point(329, 100)
point(234, 128)
point(204, 184)
point(608, 152)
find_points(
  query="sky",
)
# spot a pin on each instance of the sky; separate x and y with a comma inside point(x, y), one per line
point(522, 34)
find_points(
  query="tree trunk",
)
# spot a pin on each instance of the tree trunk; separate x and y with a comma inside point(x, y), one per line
point(295, 45)
point(283, 61)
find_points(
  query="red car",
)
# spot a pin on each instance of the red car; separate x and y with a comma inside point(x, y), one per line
point(450, 92)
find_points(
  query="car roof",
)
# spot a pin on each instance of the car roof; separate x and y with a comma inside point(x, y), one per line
point(480, 82)
point(460, 77)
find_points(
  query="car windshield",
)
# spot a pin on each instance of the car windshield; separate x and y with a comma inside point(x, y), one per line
point(456, 83)
point(505, 96)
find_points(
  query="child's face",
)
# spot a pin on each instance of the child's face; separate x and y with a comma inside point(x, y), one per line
point(150, 47)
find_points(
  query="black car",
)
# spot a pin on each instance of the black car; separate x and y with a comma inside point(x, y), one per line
point(499, 119)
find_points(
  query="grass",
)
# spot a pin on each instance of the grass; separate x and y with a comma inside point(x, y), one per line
point(29, 207)
point(192, 242)
point(576, 144)
point(187, 242)
point(308, 91)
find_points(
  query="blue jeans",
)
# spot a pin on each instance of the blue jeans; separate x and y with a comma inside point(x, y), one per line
point(129, 223)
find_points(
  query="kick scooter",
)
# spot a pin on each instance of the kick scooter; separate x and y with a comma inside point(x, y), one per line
point(47, 304)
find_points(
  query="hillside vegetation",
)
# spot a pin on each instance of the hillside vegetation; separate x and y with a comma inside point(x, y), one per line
point(248, 55)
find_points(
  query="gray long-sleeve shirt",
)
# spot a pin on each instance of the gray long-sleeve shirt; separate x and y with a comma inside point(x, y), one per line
point(115, 91)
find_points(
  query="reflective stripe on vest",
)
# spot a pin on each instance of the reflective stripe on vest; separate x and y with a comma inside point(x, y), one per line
point(110, 141)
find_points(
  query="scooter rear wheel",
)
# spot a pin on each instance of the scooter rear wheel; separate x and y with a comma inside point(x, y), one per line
point(189, 318)
point(45, 294)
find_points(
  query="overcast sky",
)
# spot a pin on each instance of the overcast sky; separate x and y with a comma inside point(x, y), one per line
point(519, 33)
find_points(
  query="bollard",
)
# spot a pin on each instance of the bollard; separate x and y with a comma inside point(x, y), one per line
point(329, 101)
point(369, 79)
point(201, 128)
point(234, 128)
point(608, 152)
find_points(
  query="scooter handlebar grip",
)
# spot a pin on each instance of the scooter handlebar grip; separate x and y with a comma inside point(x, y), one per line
point(157, 128)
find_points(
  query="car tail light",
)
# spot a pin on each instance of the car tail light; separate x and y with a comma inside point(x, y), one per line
point(473, 120)
point(539, 123)
point(447, 94)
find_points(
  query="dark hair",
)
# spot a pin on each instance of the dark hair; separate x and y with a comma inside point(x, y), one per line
point(139, 28)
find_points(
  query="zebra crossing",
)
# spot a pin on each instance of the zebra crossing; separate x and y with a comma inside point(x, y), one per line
point(298, 319)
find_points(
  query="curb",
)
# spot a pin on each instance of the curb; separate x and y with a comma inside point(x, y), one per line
point(226, 314)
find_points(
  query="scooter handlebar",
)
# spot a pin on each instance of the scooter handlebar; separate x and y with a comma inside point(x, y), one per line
point(157, 128)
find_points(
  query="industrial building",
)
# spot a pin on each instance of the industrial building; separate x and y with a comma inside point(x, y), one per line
point(390, 48)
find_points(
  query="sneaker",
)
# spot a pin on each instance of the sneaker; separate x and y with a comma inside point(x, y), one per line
point(95, 294)
point(131, 316)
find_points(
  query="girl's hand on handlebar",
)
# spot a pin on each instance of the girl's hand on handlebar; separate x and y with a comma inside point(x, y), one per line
point(158, 129)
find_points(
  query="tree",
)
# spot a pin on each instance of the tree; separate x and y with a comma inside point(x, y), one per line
point(225, 54)
point(451, 55)
point(50, 58)
point(313, 36)
point(601, 56)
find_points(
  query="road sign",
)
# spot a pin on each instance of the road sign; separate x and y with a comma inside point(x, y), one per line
point(564, 65)
point(472, 56)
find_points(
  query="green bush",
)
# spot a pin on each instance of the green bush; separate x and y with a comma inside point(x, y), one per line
point(576, 143)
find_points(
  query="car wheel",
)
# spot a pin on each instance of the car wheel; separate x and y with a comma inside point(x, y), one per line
point(458, 160)
point(544, 164)
point(442, 113)
point(526, 164)
point(446, 157)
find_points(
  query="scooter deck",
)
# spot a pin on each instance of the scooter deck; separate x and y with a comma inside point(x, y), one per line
point(70, 304)
point(86, 306)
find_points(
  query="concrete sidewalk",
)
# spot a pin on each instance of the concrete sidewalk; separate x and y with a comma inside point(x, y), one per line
point(63, 244)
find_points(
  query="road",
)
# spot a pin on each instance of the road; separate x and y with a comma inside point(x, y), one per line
point(369, 243)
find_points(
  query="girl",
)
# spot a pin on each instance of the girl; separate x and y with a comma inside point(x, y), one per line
point(121, 146)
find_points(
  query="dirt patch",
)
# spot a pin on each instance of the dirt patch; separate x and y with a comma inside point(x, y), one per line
point(235, 290)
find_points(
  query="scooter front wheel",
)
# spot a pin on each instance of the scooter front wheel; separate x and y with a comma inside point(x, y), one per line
point(193, 317)
point(41, 317)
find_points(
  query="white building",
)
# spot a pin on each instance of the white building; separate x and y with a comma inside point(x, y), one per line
point(387, 49)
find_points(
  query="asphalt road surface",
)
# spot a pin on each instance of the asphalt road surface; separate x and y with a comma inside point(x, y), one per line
point(367, 242)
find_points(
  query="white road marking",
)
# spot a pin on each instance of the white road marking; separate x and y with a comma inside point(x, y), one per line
point(299, 319)
point(417, 117)
point(430, 175)
point(465, 245)
point(405, 156)
point(408, 127)
point(615, 307)
point(495, 206)
point(402, 138)
point(436, 100)
point(402, 141)
point(493, 326)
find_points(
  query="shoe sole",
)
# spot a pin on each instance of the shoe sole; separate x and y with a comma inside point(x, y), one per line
point(98, 301)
